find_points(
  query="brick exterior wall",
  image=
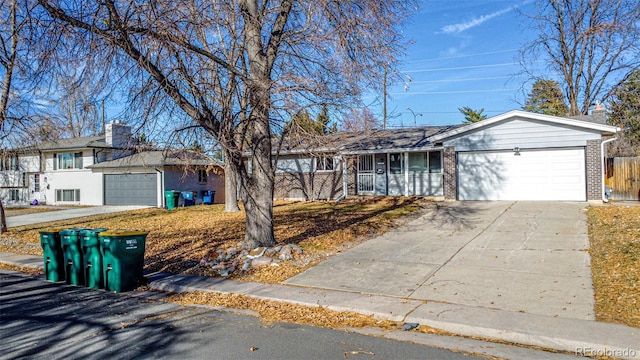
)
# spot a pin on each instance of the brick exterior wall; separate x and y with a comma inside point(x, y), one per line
point(309, 186)
point(449, 168)
point(594, 170)
point(352, 175)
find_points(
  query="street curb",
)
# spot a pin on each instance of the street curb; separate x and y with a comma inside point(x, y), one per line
point(576, 336)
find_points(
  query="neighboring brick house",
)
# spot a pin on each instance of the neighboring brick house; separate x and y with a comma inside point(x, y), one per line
point(513, 156)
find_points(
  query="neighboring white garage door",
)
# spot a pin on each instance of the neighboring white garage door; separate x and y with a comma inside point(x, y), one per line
point(557, 174)
point(130, 189)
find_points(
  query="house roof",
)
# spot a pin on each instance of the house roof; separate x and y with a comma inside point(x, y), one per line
point(602, 128)
point(74, 143)
point(404, 139)
point(158, 158)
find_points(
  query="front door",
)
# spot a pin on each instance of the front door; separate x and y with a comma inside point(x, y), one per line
point(396, 174)
point(381, 174)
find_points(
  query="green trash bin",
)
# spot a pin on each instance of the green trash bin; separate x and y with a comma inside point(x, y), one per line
point(122, 259)
point(72, 250)
point(52, 255)
point(171, 199)
point(92, 258)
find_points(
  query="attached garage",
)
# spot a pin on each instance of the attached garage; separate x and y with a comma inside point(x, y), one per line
point(524, 156)
point(540, 174)
point(131, 189)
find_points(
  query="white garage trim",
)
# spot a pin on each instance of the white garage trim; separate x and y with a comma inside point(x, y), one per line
point(544, 174)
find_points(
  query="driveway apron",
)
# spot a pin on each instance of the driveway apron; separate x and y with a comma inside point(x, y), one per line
point(520, 256)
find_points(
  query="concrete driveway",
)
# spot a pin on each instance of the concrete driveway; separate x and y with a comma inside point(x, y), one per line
point(69, 213)
point(520, 256)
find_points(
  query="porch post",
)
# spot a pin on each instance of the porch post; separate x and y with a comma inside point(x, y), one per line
point(345, 176)
point(406, 174)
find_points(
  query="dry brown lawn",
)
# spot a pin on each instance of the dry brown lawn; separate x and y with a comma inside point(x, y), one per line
point(180, 238)
point(614, 233)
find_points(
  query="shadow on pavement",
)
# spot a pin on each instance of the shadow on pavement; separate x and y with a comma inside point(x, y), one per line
point(47, 320)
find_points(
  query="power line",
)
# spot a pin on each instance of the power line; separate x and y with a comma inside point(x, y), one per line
point(460, 68)
point(465, 79)
point(462, 56)
point(452, 92)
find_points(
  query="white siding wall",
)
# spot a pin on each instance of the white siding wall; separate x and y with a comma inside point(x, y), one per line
point(523, 134)
point(89, 183)
point(29, 163)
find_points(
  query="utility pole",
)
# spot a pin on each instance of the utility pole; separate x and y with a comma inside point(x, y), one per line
point(384, 101)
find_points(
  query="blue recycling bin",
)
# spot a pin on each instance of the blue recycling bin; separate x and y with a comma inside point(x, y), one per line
point(188, 198)
point(208, 196)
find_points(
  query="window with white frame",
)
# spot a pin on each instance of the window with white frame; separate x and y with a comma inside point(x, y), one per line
point(36, 182)
point(202, 176)
point(68, 195)
point(9, 163)
point(68, 160)
point(14, 195)
point(435, 162)
point(325, 163)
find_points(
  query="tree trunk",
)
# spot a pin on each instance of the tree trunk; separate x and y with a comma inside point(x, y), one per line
point(3, 219)
point(230, 187)
point(257, 188)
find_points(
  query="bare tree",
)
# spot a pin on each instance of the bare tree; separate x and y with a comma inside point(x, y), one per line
point(235, 68)
point(589, 45)
point(358, 120)
point(9, 38)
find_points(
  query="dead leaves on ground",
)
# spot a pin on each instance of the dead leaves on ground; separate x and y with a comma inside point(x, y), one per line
point(180, 238)
point(614, 232)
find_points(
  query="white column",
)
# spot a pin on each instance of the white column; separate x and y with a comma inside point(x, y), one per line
point(406, 174)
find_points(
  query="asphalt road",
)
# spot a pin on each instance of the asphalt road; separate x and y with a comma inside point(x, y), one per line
point(42, 320)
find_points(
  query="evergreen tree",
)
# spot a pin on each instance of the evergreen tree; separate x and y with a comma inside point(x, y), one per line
point(546, 98)
point(471, 115)
point(625, 113)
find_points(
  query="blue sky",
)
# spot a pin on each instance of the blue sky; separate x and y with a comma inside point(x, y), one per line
point(465, 53)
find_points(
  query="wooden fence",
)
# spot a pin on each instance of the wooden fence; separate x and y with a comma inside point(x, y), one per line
point(623, 178)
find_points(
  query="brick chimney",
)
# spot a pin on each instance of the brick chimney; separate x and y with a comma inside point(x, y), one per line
point(117, 134)
point(599, 114)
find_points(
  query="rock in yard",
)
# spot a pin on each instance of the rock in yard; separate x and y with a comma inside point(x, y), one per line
point(409, 326)
point(246, 265)
point(261, 261)
point(285, 253)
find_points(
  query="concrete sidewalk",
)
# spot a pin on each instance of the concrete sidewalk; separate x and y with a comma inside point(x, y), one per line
point(48, 216)
point(575, 336)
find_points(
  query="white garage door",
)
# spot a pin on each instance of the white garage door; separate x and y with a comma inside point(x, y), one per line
point(533, 175)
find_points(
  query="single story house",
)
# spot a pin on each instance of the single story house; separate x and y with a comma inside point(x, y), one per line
point(102, 170)
point(517, 155)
